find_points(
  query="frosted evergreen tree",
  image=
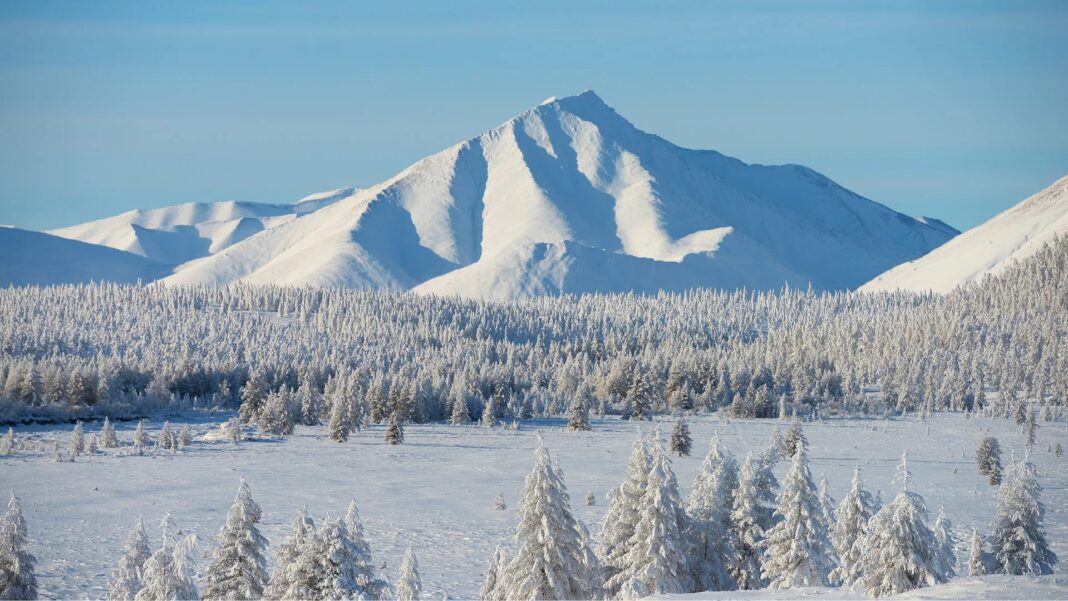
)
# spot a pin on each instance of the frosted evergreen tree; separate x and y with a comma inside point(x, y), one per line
point(549, 562)
point(310, 404)
point(850, 528)
point(681, 442)
point(233, 431)
point(489, 413)
point(767, 487)
point(168, 573)
point(578, 414)
point(253, 396)
point(77, 440)
point(594, 570)
point(394, 431)
point(1029, 429)
point(798, 552)
point(947, 555)
point(497, 565)
point(498, 502)
point(17, 579)
point(108, 439)
point(125, 580)
point(640, 398)
point(657, 557)
point(826, 502)
point(339, 425)
point(746, 535)
point(460, 415)
point(1019, 539)
point(988, 459)
point(166, 439)
point(185, 437)
point(591, 500)
point(363, 560)
point(622, 516)
point(91, 445)
point(274, 416)
point(330, 567)
point(409, 587)
point(708, 534)
point(976, 556)
point(900, 551)
point(7, 445)
point(794, 438)
point(238, 568)
point(301, 536)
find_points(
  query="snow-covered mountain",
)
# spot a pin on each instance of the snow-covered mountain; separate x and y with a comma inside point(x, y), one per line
point(986, 249)
point(28, 257)
point(570, 197)
point(180, 233)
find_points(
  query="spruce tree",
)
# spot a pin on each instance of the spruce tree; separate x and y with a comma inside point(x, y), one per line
point(409, 587)
point(7, 445)
point(988, 459)
point(947, 555)
point(394, 432)
point(460, 415)
point(17, 579)
point(798, 552)
point(125, 580)
point(1019, 539)
point(108, 439)
point(708, 535)
point(168, 573)
point(794, 438)
point(238, 568)
point(497, 565)
point(363, 560)
point(77, 440)
point(339, 426)
point(489, 413)
point(498, 502)
point(850, 529)
point(622, 516)
point(640, 397)
point(302, 534)
point(549, 562)
point(681, 443)
point(976, 556)
point(165, 440)
point(140, 438)
point(900, 550)
point(578, 414)
point(746, 535)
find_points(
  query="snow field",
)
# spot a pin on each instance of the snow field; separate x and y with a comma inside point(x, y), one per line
point(436, 492)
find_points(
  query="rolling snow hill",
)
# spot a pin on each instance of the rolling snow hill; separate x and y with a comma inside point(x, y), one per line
point(570, 197)
point(985, 249)
point(180, 233)
point(28, 257)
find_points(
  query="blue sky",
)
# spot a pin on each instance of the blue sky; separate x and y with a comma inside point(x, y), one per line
point(955, 110)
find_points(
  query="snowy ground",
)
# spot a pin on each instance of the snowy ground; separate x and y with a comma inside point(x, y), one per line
point(436, 491)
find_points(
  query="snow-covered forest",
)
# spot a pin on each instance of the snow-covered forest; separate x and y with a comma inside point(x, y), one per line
point(128, 351)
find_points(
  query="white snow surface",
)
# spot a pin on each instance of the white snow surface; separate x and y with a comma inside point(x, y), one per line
point(180, 233)
point(436, 491)
point(570, 197)
point(29, 257)
point(986, 249)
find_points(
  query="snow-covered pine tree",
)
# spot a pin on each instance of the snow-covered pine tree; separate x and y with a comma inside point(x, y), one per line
point(1019, 539)
point(310, 404)
point(253, 396)
point(549, 562)
point(798, 552)
point(746, 535)
point(17, 579)
point(394, 431)
point(657, 557)
point(108, 439)
point(280, 585)
point(900, 550)
point(274, 416)
point(339, 425)
point(498, 502)
point(497, 565)
point(409, 587)
point(7, 445)
point(622, 516)
point(140, 437)
point(947, 555)
point(90, 445)
point(489, 413)
point(767, 487)
point(708, 543)
point(640, 398)
point(794, 438)
point(329, 567)
point(681, 442)
point(578, 414)
point(850, 528)
point(238, 568)
point(594, 570)
point(826, 502)
point(461, 414)
point(363, 560)
point(185, 437)
point(77, 440)
point(166, 439)
point(1029, 429)
point(591, 500)
point(125, 580)
point(988, 459)
point(976, 556)
point(168, 573)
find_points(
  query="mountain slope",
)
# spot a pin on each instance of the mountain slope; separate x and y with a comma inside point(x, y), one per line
point(180, 233)
point(986, 249)
point(28, 257)
point(570, 197)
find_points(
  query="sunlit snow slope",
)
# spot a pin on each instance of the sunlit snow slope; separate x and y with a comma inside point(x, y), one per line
point(180, 233)
point(570, 197)
point(28, 257)
point(985, 249)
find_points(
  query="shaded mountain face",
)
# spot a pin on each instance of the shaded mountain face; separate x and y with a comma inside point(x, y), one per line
point(566, 197)
point(986, 249)
point(28, 257)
